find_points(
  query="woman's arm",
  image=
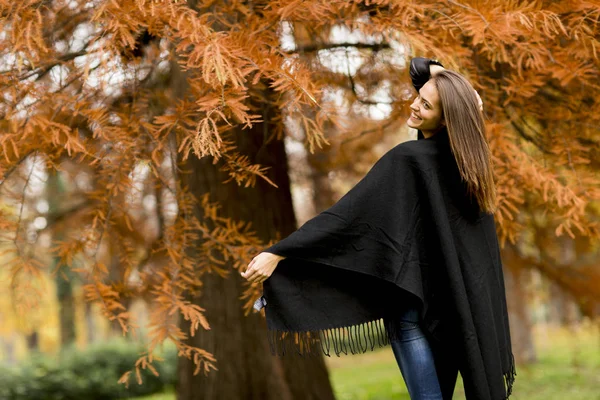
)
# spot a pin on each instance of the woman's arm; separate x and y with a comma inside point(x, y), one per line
point(421, 69)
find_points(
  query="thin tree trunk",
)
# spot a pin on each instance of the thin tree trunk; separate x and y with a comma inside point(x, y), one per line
point(64, 292)
point(32, 341)
point(64, 277)
point(90, 324)
point(116, 274)
point(324, 196)
point(9, 346)
point(563, 308)
point(558, 304)
point(516, 280)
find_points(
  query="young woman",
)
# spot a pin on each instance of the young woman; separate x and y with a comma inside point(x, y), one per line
point(411, 249)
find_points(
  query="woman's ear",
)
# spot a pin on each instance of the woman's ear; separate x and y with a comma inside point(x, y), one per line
point(442, 122)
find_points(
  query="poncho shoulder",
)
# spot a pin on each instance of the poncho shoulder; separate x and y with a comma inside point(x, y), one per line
point(378, 226)
point(367, 231)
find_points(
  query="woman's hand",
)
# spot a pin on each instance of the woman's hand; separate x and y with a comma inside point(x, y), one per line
point(261, 267)
point(479, 100)
point(434, 69)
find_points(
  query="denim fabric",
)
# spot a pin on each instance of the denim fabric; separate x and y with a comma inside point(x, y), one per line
point(417, 363)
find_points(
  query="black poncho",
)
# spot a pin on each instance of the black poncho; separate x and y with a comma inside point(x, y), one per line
point(406, 232)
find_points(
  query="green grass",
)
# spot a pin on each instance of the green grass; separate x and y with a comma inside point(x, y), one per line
point(158, 396)
point(568, 368)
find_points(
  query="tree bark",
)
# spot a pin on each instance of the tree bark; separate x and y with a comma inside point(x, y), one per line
point(559, 312)
point(324, 195)
point(516, 280)
point(64, 292)
point(32, 340)
point(90, 324)
point(246, 368)
point(55, 190)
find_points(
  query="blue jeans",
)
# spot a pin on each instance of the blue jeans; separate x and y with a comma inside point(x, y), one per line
point(417, 363)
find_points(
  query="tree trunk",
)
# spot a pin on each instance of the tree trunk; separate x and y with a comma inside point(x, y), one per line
point(32, 340)
point(64, 292)
point(9, 347)
point(558, 305)
point(55, 190)
point(90, 324)
point(246, 368)
point(516, 280)
point(563, 309)
point(116, 274)
point(324, 195)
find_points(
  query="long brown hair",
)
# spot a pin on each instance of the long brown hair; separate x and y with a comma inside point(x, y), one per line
point(466, 132)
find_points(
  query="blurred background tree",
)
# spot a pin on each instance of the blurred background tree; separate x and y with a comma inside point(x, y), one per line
point(147, 151)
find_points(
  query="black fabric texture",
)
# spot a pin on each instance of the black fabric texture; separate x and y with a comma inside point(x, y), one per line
point(419, 71)
point(405, 235)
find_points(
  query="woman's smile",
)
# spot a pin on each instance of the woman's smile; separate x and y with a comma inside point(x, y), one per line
point(414, 117)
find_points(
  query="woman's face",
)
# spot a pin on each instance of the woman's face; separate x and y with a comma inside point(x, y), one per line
point(426, 110)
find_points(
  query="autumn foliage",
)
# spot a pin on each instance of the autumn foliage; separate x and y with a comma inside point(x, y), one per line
point(117, 94)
